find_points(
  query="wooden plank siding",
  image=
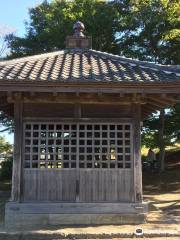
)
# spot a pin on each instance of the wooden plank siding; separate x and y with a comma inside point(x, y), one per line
point(43, 185)
point(106, 185)
point(95, 185)
point(62, 110)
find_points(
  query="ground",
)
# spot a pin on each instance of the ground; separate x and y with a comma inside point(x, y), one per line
point(163, 193)
point(161, 190)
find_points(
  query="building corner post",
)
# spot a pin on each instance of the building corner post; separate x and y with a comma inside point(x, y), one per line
point(17, 156)
point(138, 197)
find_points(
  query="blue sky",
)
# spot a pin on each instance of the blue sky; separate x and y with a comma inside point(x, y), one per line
point(13, 14)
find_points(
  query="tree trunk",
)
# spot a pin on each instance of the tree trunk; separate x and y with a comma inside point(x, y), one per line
point(161, 141)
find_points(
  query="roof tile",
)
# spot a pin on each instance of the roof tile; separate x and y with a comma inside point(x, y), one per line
point(86, 65)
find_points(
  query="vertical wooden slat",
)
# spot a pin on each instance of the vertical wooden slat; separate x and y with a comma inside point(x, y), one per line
point(137, 152)
point(17, 159)
point(49, 185)
point(105, 185)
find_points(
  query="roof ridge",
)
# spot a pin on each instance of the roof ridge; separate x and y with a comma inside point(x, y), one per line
point(27, 58)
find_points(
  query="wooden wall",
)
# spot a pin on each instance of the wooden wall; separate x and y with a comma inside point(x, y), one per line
point(81, 185)
point(77, 185)
point(55, 110)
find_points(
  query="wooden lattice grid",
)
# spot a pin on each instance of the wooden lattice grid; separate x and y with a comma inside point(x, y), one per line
point(77, 145)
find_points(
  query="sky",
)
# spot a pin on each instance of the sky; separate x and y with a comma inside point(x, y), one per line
point(13, 14)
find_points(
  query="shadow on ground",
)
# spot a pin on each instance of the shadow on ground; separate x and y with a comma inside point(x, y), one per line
point(163, 193)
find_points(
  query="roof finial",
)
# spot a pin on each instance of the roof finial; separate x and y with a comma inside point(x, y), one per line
point(78, 29)
point(78, 39)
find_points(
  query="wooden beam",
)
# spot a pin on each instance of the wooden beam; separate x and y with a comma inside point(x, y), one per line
point(160, 101)
point(61, 99)
point(17, 160)
point(172, 100)
point(145, 110)
point(80, 98)
point(145, 116)
point(156, 104)
point(150, 107)
point(83, 120)
point(90, 87)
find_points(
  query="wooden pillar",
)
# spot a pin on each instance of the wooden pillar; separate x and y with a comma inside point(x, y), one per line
point(77, 114)
point(161, 140)
point(137, 152)
point(17, 159)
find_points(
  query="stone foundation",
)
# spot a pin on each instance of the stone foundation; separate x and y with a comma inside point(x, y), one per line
point(33, 215)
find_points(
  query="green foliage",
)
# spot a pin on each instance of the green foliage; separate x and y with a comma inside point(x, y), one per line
point(143, 29)
point(154, 31)
point(5, 147)
point(50, 23)
point(6, 123)
point(6, 164)
point(150, 134)
point(6, 169)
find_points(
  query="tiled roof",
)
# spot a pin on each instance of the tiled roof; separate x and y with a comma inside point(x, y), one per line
point(86, 66)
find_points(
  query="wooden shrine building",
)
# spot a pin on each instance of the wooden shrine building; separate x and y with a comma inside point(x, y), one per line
point(78, 114)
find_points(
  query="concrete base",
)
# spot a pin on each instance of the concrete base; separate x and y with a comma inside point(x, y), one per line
point(34, 215)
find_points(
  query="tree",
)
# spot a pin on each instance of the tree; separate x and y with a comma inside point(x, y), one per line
point(152, 31)
point(6, 123)
point(5, 147)
point(50, 23)
point(6, 155)
point(162, 130)
point(142, 29)
point(155, 36)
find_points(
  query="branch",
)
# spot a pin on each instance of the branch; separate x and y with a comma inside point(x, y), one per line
point(3, 48)
point(4, 130)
